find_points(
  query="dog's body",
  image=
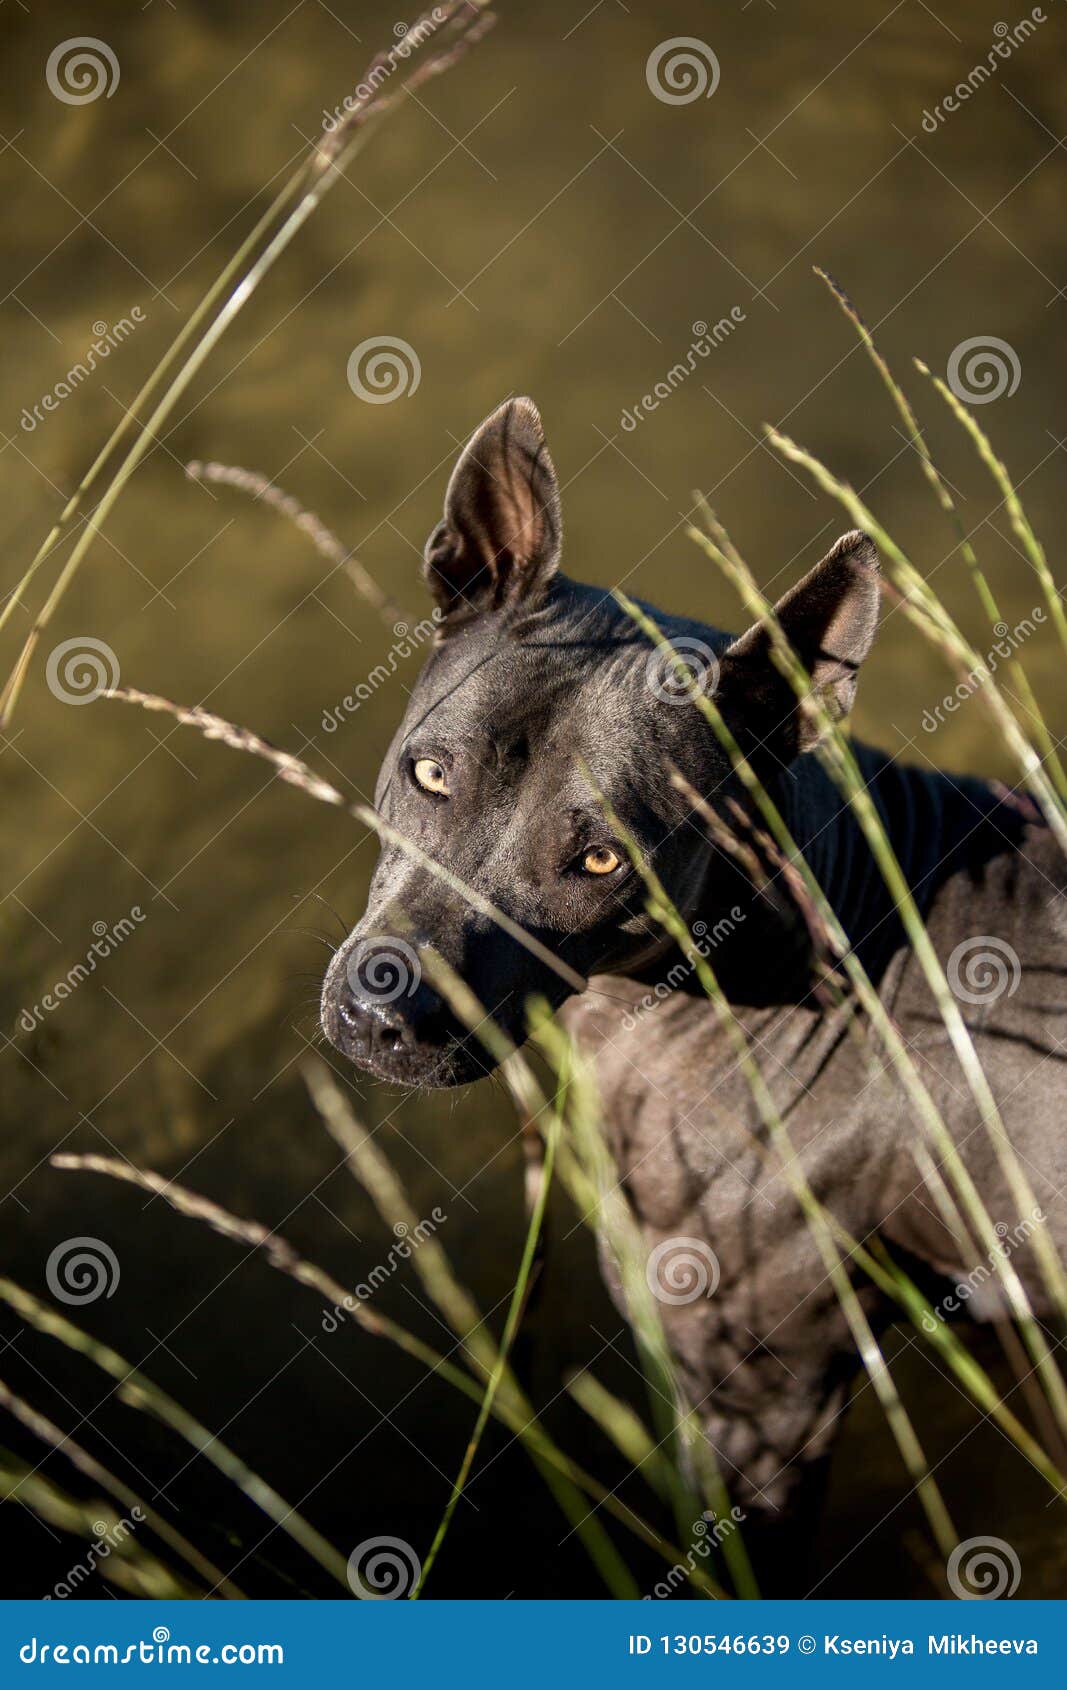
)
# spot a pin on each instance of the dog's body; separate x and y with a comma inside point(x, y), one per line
point(539, 689)
point(769, 1357)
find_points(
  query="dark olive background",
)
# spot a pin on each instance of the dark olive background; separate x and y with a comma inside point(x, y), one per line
point(588, 225)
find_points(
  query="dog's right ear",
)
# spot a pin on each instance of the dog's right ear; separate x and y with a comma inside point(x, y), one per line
point(829, 619)
point(499, 541)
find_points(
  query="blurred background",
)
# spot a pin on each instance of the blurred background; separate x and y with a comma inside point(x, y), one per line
point(539, 220)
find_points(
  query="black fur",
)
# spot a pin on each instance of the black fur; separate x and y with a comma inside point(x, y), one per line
point(536, 676)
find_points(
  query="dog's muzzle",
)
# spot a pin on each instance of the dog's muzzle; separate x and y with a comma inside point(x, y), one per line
point(379, 1011)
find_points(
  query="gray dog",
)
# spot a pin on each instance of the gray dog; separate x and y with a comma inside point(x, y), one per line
point(534, 675)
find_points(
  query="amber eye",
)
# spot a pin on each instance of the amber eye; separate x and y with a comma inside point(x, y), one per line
point(602, 860)
point(431, 776)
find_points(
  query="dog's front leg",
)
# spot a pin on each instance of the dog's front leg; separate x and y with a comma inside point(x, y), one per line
point(768, 1379)
point(772, 1440)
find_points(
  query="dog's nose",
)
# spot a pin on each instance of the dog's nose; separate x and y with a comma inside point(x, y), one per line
point(383, 1004)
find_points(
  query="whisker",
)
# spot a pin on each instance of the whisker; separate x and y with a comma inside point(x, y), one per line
point(345, 926)
point(320, 938)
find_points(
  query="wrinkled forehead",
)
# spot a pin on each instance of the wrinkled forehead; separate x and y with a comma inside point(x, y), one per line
point(556, 698)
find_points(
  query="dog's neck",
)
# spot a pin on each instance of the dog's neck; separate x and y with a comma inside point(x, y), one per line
point(935, 824)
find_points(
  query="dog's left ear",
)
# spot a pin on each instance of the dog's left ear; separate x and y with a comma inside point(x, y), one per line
point(829, 619)
point(499, 541)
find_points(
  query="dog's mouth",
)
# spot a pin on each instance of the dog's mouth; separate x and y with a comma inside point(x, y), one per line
point(420, 1070)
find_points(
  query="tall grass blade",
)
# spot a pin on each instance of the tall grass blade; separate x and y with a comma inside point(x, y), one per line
point(128, 1565)
point(1016, 669)
point(1020, 522)
point(462, 23)
point(87, 1464)
point(281, 1256)
point(134, 1389)
point(376, 1175)
point(664, 910)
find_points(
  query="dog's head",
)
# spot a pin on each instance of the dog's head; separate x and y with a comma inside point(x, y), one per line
point(539, 694)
